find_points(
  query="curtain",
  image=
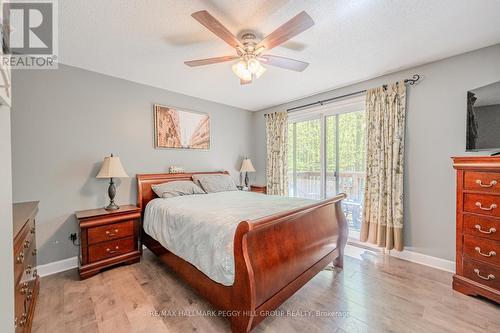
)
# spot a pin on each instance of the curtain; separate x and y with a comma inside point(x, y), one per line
point(383, 203)
point(277, 153)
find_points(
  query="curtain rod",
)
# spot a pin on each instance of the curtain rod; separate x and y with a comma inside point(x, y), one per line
point(411, 81)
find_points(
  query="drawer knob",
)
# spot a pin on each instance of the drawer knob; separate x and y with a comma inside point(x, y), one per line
point(492, 206)
point(112, 251)
point(489, 277)
point(491, 254)
point(27, 244)
point(491, 231)
point(110, 234)
point(491, 184)
point(20, 258)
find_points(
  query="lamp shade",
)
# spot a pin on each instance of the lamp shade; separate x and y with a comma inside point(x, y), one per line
point(112, 168)
point(247, 166)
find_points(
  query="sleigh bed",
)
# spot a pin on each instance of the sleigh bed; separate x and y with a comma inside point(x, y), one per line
point(274, 256)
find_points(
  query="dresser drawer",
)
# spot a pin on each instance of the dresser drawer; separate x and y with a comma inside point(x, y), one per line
point(482, 181)
point(484, 204)
point(110, 232)
point(23, 254)
point(482, 273)
point(110, 249)
point(482, 249)
point(482, 226)
point(20, 313)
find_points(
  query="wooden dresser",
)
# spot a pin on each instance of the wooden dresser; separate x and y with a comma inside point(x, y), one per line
point(26, 279)
point(478, 226)
point(108, 238)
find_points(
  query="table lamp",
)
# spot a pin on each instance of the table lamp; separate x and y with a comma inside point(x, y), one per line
point(246, 167)
point(112, 168)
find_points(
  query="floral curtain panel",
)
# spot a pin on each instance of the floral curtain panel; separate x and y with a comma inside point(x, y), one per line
point(383, 203)
point(277, 153)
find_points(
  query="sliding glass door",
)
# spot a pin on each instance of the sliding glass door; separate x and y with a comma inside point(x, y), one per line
point(327, 151)
point(305, 159)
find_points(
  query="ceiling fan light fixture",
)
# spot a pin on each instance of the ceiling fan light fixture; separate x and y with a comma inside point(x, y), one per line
point(260, 71)
point(253, 65)
point(240, 70)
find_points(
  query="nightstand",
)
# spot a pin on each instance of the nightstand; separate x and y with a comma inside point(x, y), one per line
point(108, 238)
point(258, 188)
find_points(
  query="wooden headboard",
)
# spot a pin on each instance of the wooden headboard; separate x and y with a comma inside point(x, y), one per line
point(144, 181)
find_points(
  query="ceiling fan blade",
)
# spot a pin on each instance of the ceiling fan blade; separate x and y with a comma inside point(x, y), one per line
point(282, 62)
point(243, 82)
point(212, 24)
point(208, 61)
point(292, 28)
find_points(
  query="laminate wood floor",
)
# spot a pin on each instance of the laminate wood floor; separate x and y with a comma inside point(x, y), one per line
point(374, 293)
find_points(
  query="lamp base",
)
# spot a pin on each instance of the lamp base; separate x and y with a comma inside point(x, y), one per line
point(111, 193)
point(112, 206)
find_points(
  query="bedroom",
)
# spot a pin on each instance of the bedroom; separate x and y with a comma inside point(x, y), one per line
point(267, 242)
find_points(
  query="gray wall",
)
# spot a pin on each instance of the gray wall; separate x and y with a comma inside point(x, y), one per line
point(65, 121)
point(488, 123)
point(6, 230)
point(435, 132)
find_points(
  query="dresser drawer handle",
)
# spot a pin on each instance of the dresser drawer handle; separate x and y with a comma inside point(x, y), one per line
point(111, 234)
point(489, 277)
point(20, 322)
point(24, 288)
point(491, 184)
point(491, 254)
point(492, 206)
point(20, 258)
point(491, 231)
point(112, 251)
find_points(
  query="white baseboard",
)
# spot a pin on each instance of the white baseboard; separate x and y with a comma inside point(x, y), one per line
point(423, 259)
point(419, 258)
point(416, 257)
point(57, 266)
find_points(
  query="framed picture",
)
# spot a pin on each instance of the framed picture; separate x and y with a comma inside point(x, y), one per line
point(181, 129)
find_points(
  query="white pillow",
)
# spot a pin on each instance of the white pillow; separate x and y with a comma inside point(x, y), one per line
point(215, 183)
point(176, 188)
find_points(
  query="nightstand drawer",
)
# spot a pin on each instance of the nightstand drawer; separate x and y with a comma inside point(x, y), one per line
point(110, 232)
point(110, 249)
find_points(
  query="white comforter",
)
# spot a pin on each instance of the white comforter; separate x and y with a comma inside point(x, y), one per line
point(200, 228)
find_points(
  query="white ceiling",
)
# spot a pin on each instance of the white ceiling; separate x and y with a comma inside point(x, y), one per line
point(147, 41)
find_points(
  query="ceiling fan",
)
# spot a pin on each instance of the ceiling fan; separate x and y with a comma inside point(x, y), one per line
point(250, 51)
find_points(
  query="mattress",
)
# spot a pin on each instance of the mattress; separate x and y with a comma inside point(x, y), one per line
point(200, 228)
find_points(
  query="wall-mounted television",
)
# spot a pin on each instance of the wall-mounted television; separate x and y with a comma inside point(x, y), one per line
point(483, 118)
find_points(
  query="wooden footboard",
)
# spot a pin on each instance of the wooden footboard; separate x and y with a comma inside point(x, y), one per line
point(274, 256)
point(278, 254)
